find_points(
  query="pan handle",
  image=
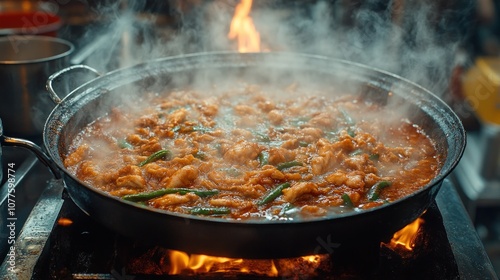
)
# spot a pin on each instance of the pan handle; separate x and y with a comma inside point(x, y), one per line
point(57, 75)
point(37, 150)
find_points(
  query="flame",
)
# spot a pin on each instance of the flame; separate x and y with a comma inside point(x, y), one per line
point(65, 222)
point(183, 263)
point(243, 29)
point(405, 238)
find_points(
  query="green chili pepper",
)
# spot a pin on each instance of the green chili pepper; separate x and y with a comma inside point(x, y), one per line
point(289, 164)
point(374, 192)
point(144, 196)
point(263, 158)
point(122, 143)
point(210, 210)
point(156, 156)
point(273, 194)
point(347, 200)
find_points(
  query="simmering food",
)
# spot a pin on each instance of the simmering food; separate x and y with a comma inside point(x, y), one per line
point(251, 154)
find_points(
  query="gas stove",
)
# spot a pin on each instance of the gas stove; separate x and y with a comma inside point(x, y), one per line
point(54, 239)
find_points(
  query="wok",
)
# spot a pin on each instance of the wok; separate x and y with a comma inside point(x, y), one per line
point(234, 238)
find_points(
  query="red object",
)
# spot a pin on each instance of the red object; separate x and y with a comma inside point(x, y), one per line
point(32, 22)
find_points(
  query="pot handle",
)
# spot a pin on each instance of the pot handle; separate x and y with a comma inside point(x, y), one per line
point(37, 150)
point(49, 85)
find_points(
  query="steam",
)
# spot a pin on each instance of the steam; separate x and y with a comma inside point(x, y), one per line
point(415, 39)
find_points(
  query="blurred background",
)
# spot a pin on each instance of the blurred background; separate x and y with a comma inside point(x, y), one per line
point(451, 48)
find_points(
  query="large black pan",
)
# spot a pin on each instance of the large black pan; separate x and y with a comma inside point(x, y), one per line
point(250, 239)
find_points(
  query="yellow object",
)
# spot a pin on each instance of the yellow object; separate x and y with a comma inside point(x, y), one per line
point(481, 85)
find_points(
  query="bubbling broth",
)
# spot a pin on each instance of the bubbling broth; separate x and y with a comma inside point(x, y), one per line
point(253, 153)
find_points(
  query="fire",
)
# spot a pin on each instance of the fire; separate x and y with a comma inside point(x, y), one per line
point(182, 263)
point(405, 238)
point(243, 29)
point(65, 222)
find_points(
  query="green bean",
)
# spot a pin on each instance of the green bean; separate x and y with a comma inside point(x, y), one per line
point(351, 132)
point(210, 210)
point(201, 129)
point(273, 194)
point(263, 158)
point(374, 192)
point(303, 144)
point(154, 157)
point(347, 200)
point(144, 196)
point(261, 137)
point(200, 155)
point(122, 143)
point(288, 164)
point(356, 152)
point(374, 157)
point(348, 119)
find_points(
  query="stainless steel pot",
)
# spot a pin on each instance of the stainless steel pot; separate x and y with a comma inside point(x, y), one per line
point(25, 64)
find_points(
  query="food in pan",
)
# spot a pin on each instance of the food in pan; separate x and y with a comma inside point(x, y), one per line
point(250, 153)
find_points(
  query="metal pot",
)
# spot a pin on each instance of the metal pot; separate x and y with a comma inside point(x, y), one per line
point(25, 64)
point(249, 239)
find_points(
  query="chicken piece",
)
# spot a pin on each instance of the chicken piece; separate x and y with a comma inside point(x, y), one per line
point(360, 162)
point(321, 164)
point(129, 170)
point(229, 202)
point(275, 116)
point(311, 134)
point(249, 190)
point(182, 178)
point(323, 120)
point(242, 152)
point(355, 180)
point(131, 182)
point(77, 156)
point(243, 110)
point(295, 191)
point(313, 210)
point(177, 116)
point(174, 199)
point(338, 178)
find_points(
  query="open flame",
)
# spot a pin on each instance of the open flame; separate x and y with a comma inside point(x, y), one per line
point(181, 263)
point(243, 29)
point(405, 238)
point(65, 222)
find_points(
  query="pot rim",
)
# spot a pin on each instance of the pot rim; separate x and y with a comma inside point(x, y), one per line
point(23, 39)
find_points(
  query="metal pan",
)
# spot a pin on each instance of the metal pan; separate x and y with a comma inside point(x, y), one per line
point(249, 239)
